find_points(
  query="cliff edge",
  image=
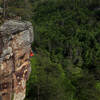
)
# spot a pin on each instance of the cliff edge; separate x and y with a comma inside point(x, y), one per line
point(15, 46)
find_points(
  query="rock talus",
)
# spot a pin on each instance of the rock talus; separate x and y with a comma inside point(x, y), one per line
point(15, 47)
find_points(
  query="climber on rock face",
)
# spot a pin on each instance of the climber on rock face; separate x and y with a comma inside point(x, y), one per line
point(31, 54)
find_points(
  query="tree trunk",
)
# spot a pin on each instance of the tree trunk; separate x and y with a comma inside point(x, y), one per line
point(38, 92)
point(4, 8)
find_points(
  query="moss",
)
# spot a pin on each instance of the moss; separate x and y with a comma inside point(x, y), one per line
point(12, 97)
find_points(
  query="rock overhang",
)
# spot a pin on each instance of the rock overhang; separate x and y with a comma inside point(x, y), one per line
point(12, 27)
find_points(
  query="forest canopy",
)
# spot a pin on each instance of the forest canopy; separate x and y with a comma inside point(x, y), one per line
point(66, 65)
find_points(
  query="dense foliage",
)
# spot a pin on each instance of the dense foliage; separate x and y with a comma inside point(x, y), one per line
point(66, 65)
point(67, 40)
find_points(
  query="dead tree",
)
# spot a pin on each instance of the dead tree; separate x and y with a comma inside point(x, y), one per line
point(4, 8)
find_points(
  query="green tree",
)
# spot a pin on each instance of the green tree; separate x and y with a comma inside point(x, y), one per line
point(49, 81)
point(19, 8)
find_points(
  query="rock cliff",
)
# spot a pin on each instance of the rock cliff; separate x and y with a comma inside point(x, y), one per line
point(15, 46)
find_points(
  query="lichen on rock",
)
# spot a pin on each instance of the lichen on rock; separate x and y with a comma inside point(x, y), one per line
point(15, 46)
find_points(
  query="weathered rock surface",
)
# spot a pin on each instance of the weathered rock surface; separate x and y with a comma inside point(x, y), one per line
point(15, 46)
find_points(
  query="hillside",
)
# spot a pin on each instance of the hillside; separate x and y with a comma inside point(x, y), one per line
point(66, 61)
point(67, 47)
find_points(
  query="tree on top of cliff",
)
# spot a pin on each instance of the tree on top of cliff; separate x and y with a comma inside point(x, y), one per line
point(19, 8)
point(14, 8)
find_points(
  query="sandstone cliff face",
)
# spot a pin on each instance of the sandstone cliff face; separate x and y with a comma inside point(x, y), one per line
point(15, 46)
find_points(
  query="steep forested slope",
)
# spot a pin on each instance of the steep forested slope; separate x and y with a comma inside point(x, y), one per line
point(66, 65)
point(66, 37)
